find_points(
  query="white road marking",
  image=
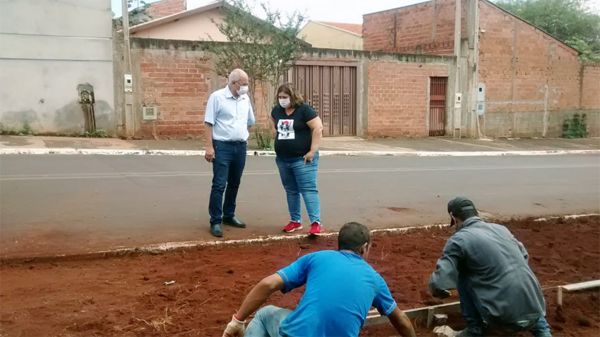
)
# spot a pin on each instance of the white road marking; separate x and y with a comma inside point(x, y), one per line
point(127, 152)
point(176, 174)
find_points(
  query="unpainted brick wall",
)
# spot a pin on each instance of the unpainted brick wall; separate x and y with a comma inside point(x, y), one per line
point(178, 78)
point(528, 75)
point(422, 28)
point(590, 92)
point(398, 97)
point(517, 62)
point(179, 84)
point(166, 8)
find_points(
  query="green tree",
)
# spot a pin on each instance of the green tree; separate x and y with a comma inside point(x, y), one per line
point(137, 13)
point(569, 20)
point(265, 49)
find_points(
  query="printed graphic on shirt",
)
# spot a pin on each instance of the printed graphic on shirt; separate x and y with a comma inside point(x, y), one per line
point(285, 129)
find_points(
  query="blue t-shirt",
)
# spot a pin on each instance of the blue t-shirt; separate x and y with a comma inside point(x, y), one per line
point(340, 289)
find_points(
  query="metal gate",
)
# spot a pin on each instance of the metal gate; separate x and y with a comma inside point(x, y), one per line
point(331, 90)
point(437, 106)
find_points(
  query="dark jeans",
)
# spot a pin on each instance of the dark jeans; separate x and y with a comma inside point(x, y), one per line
point(470, 308)
point(230, 159)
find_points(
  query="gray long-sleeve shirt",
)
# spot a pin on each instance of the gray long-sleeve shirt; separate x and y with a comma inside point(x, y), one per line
point(494, 265)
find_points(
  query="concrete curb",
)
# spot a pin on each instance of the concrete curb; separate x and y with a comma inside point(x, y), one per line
point(160, 248)
point(133, 152)
point(173, 246)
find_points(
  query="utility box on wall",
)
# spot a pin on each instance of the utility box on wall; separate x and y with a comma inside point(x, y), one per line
point(480, 107)
point(457, 100)
point(150, 113)
point(128, 82)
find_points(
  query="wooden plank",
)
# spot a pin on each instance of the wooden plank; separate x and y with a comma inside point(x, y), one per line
point(373, 317)
point(575, 287)
point(582, 285)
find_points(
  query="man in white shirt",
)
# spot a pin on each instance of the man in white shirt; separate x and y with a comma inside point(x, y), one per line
point(228, 116)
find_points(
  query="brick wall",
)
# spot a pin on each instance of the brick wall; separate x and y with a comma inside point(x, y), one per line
point(517, 61)
point(590, 87)
point(422, 28)
point(179, 84)
point(178, 77)
point(166, 8)
point(531, 79)
point(398, 97)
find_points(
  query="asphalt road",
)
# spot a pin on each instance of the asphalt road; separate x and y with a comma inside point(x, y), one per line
point(73, 204)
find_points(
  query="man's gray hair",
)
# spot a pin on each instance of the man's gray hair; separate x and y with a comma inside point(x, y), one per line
point(236, 75)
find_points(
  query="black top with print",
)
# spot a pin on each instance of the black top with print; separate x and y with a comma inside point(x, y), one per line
point(293, 136)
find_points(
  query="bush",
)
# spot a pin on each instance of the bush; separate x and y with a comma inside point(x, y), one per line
point(99, 133)
point(264, 138)
point(575, 127)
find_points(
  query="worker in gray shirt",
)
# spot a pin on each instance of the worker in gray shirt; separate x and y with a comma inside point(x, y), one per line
point(227, 118)
point(499, 294)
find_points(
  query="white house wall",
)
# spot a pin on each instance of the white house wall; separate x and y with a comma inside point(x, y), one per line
point(48, 48)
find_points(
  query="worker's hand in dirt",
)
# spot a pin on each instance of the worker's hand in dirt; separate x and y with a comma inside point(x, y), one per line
point(209, 154)
point(235, 328)
point(441, 293)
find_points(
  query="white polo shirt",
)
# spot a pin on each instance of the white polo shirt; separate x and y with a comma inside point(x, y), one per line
point(229, 116)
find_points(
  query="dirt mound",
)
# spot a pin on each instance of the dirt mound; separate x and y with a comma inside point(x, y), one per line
point(127, 296)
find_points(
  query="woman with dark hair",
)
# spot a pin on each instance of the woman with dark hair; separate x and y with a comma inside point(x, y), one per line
point(299, 130)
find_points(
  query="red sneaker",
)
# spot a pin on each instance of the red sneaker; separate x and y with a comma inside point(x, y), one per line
point(292, 227)
point(315, 228)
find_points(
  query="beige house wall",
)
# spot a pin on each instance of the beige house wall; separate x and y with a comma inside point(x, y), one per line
point(321, 36)
point(198, 27)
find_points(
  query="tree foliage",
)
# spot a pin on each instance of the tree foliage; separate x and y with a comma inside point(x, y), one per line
point(138, 13)
point(569, 20)
point(265, 49)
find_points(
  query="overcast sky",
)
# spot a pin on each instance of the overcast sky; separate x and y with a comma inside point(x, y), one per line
point(349, 11)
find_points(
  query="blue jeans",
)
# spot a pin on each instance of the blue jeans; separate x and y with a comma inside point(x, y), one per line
point(266, 322)
point(230, 159)
point(298, 179)
point(471, 311)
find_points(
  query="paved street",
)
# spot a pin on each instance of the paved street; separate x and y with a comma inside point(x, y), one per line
point(72, 204)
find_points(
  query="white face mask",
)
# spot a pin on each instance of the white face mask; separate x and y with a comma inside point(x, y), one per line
point(243, 90)
point(284, 102)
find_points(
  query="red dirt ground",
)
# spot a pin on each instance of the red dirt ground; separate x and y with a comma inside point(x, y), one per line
point(126, 296)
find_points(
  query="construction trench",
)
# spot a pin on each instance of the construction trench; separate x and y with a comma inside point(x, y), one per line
point(191, 289)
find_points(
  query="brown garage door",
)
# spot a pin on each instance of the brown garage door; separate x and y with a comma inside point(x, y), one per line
point(331, 90)
point(437, 106)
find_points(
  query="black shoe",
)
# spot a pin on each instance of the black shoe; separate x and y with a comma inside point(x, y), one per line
point(216, 230)
point(234, 222)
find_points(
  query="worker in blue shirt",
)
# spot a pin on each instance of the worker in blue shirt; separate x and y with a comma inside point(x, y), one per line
point(340, 289)
point(227, 118)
